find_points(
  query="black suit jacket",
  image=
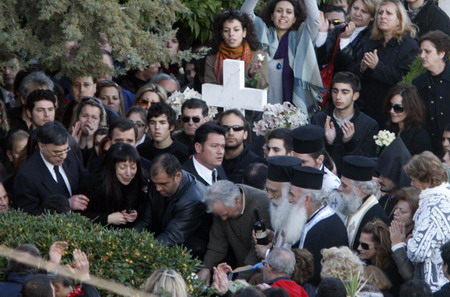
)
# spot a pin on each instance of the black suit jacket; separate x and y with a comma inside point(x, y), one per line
point(34, 182)
point(189, 167)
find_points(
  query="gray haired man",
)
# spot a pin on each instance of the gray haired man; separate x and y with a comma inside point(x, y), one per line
point(233, 206)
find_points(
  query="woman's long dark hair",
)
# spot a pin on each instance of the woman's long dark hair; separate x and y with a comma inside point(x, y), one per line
point(111, 186)
point(412, 103)
point(243, 18)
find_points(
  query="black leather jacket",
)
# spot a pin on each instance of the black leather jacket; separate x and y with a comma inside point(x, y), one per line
point(176, 219)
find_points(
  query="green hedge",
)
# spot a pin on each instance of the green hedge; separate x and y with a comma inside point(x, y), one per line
point(124, 256)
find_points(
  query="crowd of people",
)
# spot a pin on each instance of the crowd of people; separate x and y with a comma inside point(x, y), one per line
point(338, 206)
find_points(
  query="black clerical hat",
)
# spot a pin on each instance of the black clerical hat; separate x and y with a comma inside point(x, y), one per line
point(307, 177)
point(358, 168)
point(280, 168)
point(308, 139)
point(391, 162)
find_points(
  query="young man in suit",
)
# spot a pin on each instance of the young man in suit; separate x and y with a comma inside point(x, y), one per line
point(205, 164)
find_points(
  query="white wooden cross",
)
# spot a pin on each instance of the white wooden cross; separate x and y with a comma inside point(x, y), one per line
point(233, 93)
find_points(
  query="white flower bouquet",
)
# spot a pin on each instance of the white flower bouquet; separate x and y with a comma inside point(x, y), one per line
point(384, 138)
point(285, 115)
point(177, 99)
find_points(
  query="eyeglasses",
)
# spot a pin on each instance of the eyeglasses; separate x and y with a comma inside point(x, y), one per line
point(58, 153)
point(144, 103)
point(398, 108)
point(229, 12)
point(235, 128)
point(187, 119)
point(335, 22)
point(365, 246)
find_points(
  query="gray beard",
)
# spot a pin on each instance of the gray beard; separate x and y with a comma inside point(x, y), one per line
point(279, 213)
point(295, 222)
point(348, 204)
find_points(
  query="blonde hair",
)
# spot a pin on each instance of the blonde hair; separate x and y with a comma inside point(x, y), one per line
point(150, 88)
point(340, 262)
point(166, 281)
point(376, 277)
point(405, 27)
point(369, 5)
point(427, 168)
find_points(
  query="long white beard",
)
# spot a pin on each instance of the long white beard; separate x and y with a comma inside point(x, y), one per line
point(295, 222)
point(279, 212)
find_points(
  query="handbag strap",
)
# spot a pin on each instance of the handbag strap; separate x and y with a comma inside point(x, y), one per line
point(336, 46)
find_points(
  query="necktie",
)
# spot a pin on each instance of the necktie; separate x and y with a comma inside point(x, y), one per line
point(60, 180)
point(214, 175)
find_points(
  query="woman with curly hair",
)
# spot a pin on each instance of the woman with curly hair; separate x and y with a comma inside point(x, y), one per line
point(407, 117)
point(342, 263)
point(431, 221)
point(234, 38)
point(286, 31)
point(375, 249)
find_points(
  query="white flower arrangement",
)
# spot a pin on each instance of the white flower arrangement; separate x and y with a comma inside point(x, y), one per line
point(384, 138)
point(284, 115)
point(260, 57)
point(177, 99)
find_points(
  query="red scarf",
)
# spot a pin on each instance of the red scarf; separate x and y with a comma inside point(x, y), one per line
point(242, 52)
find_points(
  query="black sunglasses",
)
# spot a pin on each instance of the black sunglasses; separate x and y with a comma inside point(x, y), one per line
point(229, 12)
point(398, 108)
point(187, 119)
point(365, 246)
point(236, 128)
point(335, 22)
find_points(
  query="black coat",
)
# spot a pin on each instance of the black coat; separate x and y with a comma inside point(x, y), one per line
point(416, 139)
point(132, 197)
point(375, 212)
point(176, 219)
point(394, 61)
point(436, 96)
point(329, 232)
point(431, 17)
point(188, 166)
point(362, 142)
point(34, 182)
point(234, 168)
point(347, 59)
point(443, 292)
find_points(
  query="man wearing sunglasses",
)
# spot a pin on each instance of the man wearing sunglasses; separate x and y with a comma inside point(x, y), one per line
point(237, 155)
point(194, 112)
point(356, 196)
point(52, 169)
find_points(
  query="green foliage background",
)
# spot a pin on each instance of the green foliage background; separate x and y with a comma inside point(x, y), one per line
point(125, 256)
